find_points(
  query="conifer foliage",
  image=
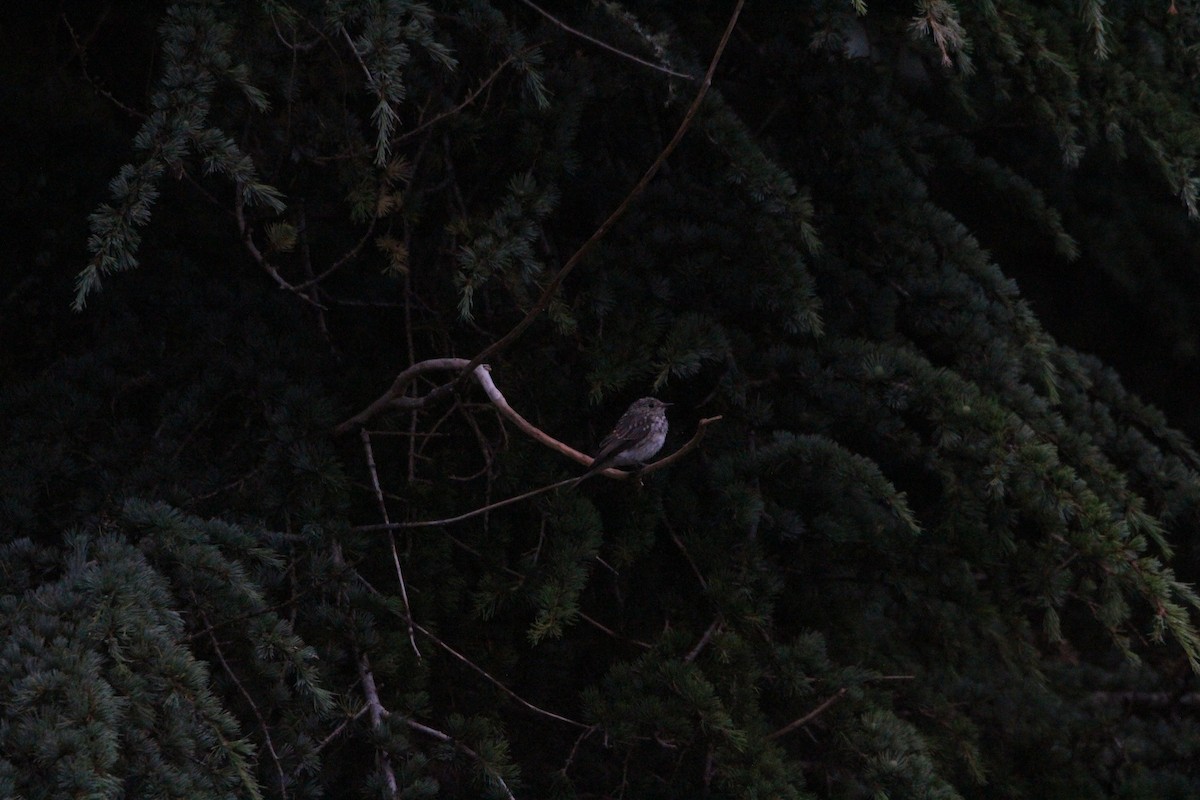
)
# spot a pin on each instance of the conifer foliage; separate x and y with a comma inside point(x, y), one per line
point(254, 544)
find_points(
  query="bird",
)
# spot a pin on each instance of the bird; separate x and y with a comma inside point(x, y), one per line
point(637, 436)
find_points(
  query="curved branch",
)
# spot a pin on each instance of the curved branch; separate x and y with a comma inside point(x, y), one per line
point(557, 445)
point(394, 396)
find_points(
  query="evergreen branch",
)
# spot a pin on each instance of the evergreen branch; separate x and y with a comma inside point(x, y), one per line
point(606, 45)
point(810, 716)
point(408, 135)
point(551, 289)
point(295, 47)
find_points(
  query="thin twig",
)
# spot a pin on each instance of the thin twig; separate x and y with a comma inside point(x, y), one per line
point(247, 235)
point(687, 556)
point(606, 46)
point(487, 676)
point(445, 737)
point(451, 112)
point(343, 261)
point(575, 749)
point(366, 440)
point(262, 722)
point(370, 690)
point(694, 653)
point(357, 55)
point(552, 285)
point(602, 627)
point(522, 701)
point(333, 734)
point(81, 52)
point(810, 716)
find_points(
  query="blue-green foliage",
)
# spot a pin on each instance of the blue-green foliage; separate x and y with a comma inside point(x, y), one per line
point(927, 551)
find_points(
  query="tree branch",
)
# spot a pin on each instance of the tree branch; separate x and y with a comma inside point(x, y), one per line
point(370, 454)
point(551, 289)
point(810, 716)
point(605, 45)
point(239, 213)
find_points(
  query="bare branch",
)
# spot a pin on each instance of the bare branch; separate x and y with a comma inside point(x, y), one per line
point(522, 701)
point(82, 54)
point(366, 439)
point(333, 734)
point(605, 629)
point(378, 713)
point(470, 98)
point(606, 46)
point(695, 652)
point(810, 716)
point(445, 737)
point(557, 445)
point(349, 256)
point(239, 213)
point(262, 722)
point(394, 396)
point(357, 55)
point(552, 285)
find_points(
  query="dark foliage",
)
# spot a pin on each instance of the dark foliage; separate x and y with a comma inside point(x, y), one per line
point(928, 550)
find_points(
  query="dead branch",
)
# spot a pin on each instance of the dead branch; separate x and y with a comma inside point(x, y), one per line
point(694, 653)
point(371, 693)
point(396, 397)
point(543, 302)
point(557, 445)
point(607, 46)
point(378, 714)
point(262, 722)
point(810, 716)
point(447, 738)
point(492, 680)
point(239, 213)
point(470, 98)
point(475, 667)
point(370, 454)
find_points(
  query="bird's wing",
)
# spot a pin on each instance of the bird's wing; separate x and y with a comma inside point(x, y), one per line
point(627, 430)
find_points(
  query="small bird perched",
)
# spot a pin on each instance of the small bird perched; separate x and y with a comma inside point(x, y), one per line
point(638, 435)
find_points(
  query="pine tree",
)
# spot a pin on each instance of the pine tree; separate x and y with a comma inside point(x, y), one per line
point(927, 549)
